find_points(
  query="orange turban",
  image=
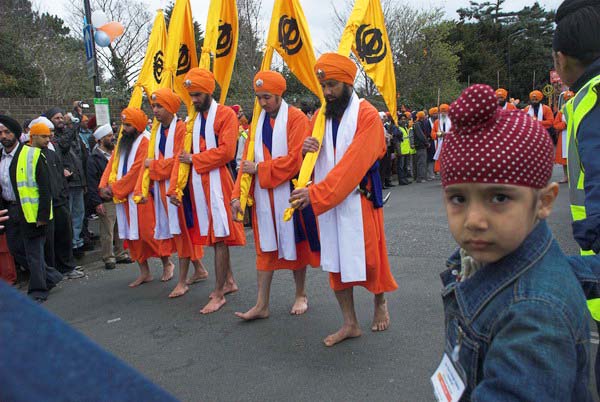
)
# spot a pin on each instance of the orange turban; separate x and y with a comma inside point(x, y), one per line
point(167, 99)
point(444, 108)
point(199, 80)
point(568, 95)
point(269, 81)
point(501, 93)
point(39, 129)
point(433, 110)
point(408, 114)
point(136, 117)
point(536, 96)
point(420, 115)
point(333, 66)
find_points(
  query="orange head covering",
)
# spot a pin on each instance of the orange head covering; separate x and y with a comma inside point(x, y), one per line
point(408, 115)
point(433, 110)
point(501, 93)
point(333, 66)
point(536, 95)
point(39, 129)
point(199, 80)
point(444, 108)
point(136, 117)
point(568, 95)
point(269, 81)
point(167, 99)
point(420, 115)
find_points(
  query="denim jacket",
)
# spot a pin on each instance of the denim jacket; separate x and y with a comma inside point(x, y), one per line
point(520, 325)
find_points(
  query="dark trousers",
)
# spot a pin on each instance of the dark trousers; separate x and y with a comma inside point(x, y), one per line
point(403, 162)
point(29, 253)
point(59, 251)
point(385, 168)
point(421, 164)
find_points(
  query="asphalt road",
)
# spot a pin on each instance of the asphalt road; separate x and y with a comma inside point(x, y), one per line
point(220, 358)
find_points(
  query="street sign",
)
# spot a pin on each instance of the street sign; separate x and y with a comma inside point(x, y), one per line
point(102, 111)
point(91, 71)
point(88, 41)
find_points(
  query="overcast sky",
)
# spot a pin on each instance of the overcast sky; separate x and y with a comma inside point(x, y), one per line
point(319, 13)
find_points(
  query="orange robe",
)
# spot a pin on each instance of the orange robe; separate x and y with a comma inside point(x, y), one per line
point(548, 116)
point(509, 106)
point(160, 170)
point(559, 126)
point(271, 174)
point(226, 132)
point(434, 131)
point(146, 247)
point(366, 148)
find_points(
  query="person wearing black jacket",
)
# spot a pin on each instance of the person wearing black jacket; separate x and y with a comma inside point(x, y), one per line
point(421, 145)
point(96, 164)
point(26, 240)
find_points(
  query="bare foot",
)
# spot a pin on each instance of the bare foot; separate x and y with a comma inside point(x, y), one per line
point(227, 289)
point(347, 331)
point(213, 305)
point(300, 305)
point(199, 276)
point(179, 290)
point(140, 280)
point(167, 272)
point(254, 313)
point(381, 318)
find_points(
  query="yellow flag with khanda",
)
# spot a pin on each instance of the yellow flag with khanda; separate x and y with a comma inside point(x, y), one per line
point(289, 36)
point(366, 36)
point(221, 42)
point(151, 75)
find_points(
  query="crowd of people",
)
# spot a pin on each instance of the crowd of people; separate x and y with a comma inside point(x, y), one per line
point(516, 321)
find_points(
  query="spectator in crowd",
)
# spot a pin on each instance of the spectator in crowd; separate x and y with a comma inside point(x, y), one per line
point(105, 208)
point(28, 222)
point(58, 251)
point(421, 145)
point(115, 128)
point(385, 163)
point(404, 152)
point(74, 157)
point(25, 135)
point(428, 127)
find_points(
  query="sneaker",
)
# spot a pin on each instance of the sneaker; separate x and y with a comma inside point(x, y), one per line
point(92, 217)
point(110, 265)
point(74, 274)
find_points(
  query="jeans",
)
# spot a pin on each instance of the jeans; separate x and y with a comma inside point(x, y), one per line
point(77, 208)
point(109, 235)
point(403, 162)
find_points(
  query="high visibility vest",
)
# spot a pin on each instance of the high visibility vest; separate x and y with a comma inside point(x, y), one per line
point(574, 111)
point(27, 187)
point(405, 144)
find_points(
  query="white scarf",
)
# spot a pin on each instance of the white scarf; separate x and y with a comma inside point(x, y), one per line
point(217, 204)
point(167, 222)
point(128, 231)
point(564, 138)
point(540, 113)
point(444, 126)
point(341, 228)
point(284, 241)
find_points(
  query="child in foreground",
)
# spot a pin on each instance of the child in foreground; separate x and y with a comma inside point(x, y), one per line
point(515, 314)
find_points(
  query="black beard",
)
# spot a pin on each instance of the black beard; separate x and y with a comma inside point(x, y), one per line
point(109, 145)
point(205, 105)
point(126, 142)
point(502, 103)
point(335, 109)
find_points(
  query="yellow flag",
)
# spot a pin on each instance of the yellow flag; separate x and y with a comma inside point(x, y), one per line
point(290, 37)
point(365, 35)
point(220, 42)
point(151, 75)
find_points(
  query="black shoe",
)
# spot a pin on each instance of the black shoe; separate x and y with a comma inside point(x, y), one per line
point(88, 246)
point(78, 252)
point(126, 260)
point(110, 265)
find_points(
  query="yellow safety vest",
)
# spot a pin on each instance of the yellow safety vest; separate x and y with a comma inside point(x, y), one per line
point(27, 187)
point(574, 111)
point(405, 144)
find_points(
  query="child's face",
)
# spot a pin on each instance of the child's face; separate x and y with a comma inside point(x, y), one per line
point(491, 221)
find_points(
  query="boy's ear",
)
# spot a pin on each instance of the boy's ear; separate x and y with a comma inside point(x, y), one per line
point(546, 198)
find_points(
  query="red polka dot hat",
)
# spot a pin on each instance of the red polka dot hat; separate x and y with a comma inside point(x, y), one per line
point(494, 146)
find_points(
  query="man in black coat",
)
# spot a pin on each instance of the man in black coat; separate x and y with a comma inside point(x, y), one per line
point(26, 240)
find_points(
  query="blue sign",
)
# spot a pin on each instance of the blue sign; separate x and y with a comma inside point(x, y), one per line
point(88, 40)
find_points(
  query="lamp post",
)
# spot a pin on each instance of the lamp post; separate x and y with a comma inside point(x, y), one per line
point(88, 20)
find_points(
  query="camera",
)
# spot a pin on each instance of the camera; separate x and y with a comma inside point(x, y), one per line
point(83, 105)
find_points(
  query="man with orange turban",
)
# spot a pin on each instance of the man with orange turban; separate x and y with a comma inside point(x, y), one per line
point(441, 127)
point(560, 126)
point(502, 97)
point(171, 224)
point(539, 111)
point(294, 244)
point(214, 138)
point(428, 128)
point(135, 221)
point(347, 196)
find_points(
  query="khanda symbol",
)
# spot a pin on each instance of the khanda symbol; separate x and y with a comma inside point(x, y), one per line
point(370, 45)
point(225, 40)
point(184, 62)
point(157, 66)
point(289, 35)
